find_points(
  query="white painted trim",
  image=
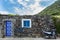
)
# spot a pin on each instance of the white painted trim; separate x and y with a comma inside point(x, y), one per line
point(9, 19)
point(24, 20)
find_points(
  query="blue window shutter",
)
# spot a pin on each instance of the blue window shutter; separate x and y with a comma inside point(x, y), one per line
point(27, 23)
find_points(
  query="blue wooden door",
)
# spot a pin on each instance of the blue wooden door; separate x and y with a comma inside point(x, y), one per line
point(8, 28)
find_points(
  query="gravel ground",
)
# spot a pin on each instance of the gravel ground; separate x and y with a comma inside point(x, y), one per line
point(27, 39)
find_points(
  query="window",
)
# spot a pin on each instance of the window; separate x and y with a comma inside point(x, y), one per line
point(26, 23)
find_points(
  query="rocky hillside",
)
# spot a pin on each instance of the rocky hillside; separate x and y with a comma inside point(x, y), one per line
point(54, 9)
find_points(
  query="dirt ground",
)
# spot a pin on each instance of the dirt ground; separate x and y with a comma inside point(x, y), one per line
point(27, 39)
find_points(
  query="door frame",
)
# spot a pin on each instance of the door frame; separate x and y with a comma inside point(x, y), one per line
point(4, 31)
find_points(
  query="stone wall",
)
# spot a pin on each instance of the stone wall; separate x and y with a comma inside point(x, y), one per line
point(39, 23)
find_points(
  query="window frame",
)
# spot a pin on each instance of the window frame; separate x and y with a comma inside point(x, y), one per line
point(26, 20)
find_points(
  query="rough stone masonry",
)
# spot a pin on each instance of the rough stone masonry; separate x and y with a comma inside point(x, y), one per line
point(38, 24)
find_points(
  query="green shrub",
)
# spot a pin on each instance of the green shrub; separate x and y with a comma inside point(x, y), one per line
point(56, 20)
